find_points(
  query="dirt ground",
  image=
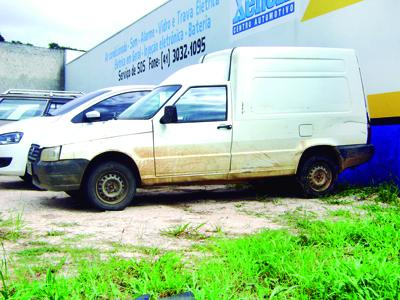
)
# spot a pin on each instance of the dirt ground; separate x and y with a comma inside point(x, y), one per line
point(231, 210)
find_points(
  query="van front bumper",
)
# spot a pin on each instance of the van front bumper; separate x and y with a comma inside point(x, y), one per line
point(63, 175)
point(355, 155)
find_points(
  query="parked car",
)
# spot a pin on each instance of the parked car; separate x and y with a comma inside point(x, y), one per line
point(241, 114)
point(18, 105)
point(79, 115)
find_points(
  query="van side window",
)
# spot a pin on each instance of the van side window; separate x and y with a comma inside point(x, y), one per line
point(111, 107)
point(203, 104)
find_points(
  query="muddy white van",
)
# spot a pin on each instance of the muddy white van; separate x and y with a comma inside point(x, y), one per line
point(240, 114)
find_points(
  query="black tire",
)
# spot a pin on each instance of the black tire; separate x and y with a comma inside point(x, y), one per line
point(77, 194)
point(27, 179)
point(110, 186)
point(317, 176)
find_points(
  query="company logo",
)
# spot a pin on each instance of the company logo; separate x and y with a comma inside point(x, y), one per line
point(253, 13)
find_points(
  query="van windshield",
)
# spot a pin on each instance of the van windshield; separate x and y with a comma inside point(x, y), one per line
point(149, 105)
point(71, 105)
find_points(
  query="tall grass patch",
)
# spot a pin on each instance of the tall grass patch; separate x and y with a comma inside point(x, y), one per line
point(354, 257)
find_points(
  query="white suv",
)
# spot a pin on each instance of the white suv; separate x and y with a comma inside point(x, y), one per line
point(98, 106)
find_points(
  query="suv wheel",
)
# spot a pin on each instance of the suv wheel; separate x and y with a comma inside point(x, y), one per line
point(110, 186)
point(317, 176)
point(27, 178)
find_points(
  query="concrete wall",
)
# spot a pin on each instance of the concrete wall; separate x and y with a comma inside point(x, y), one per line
point(28, 67)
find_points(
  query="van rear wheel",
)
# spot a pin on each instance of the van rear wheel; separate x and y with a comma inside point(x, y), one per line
point(110, 186)
point(317, 176)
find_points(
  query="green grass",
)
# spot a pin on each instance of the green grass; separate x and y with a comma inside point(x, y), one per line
point(351, 254)
point(186, 231)
point(151, 251)
point(252, 213)
point(4, 276)
point(11, 228)
point(66, 224)
point(356, 257)
point(55, 233)
point(37, 251)
point(77, 237)
point(385, 193)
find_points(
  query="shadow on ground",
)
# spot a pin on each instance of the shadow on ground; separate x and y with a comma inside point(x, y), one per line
point(18, 184)
point(266, 190)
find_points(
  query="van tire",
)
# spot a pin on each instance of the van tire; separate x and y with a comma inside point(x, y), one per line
point(110, 186)
point(317, 176)
point(76, 194)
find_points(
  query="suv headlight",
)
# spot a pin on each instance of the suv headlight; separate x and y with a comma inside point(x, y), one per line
point(11, 138)
point(50, 154)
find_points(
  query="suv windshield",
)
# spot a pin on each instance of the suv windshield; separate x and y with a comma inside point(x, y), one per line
point(149, 105)
point(19, 109)
point(71, 105)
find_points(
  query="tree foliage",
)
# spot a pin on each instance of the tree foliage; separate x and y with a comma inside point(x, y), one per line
point(2, 39)
point(55, 46)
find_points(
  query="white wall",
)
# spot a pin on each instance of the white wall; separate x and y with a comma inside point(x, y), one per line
point(29, 67)
point(369, 26)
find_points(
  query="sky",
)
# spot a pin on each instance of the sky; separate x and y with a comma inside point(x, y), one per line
point(80, 24)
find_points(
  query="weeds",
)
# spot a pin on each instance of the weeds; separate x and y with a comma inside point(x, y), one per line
point(3, 275)
point(385, 193)
point(44, 268)
point(355, 256)
point(38, 251)
point(217, 229)
point(388, 193)
point(351, 258)
point(341, 213)
point(151, 251)
point(77, 237)
point(66, 224)
point(252, 213)
point(186, 231)
point(299, 218)
point(55, 233)
point(11, 228)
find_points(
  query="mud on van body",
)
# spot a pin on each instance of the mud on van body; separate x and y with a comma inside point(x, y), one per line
point(241, 114)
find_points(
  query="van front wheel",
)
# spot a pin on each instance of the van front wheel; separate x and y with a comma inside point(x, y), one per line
point(317, 176)
point(110, 186)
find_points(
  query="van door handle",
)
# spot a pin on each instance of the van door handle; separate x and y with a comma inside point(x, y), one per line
point(228, 127)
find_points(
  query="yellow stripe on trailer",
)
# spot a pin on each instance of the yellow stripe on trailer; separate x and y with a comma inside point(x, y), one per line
point(318, 8)
point(385, 105)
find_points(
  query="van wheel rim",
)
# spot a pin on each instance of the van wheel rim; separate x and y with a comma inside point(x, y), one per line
point(112, 188)
point(320, 178)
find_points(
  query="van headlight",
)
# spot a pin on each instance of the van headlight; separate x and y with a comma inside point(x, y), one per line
point(51, 154)
point(11, 138)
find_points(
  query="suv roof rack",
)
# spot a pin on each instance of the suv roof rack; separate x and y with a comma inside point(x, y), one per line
point(42, 93)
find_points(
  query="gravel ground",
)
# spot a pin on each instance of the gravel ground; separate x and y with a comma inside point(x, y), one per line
point(232, 210)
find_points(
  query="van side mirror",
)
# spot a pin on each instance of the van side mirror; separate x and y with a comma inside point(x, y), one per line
point(170, 115)
point(92, 116)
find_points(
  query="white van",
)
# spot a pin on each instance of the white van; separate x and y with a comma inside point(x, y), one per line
point(241, 114)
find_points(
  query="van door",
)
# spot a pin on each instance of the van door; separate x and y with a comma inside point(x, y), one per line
point(200, 142)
